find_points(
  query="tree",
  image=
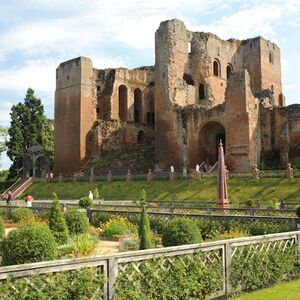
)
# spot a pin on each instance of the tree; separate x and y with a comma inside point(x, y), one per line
point(28, 127)
point(144, 227)
point(3, 135)
point(57, 222)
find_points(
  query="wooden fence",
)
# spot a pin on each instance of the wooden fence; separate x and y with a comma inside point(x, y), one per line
point(129, 267)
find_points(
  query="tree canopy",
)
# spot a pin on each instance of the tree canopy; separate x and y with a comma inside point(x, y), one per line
point(28, 127)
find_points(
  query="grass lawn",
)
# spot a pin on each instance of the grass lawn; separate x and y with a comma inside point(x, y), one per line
point(285, 291)
point(267, 189)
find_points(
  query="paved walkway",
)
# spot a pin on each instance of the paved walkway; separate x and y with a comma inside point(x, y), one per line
point(106, 247)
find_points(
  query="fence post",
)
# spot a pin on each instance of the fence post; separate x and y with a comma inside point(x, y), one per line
point(293, 224)
point(228, 252)
point(112, 276)
point(89, 215)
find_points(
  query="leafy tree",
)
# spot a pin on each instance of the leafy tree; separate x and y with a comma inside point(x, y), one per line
point(28, 127)
point(3, 134)
point(57, 223)
point(144, 228)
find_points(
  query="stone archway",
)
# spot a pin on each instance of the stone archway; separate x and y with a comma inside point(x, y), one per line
point(209, 138)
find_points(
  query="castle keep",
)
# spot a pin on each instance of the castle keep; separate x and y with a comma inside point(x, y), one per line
point(201, 89)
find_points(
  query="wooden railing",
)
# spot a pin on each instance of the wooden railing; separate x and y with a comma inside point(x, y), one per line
point(218, 256)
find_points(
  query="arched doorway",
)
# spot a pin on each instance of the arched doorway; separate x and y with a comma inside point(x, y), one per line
point(209, 138)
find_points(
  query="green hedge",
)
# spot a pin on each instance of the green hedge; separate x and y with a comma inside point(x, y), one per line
point(83, 284)
point(185, 277)
point(253, 269)
point(77, 222)
point(180, 231)
point(29, 243)
point(209, 228)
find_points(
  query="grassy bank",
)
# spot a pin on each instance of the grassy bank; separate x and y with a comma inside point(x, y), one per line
point(285, 291)
point(268, 189)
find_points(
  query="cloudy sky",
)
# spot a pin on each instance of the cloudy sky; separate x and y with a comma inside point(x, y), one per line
point(37, 35)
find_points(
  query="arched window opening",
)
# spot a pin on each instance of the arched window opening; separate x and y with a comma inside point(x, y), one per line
point(271, 57)
point(272, 88)
point(228, 71)
point(216, 68)
point(137, 105)
point(188, 79)
point(189, 47)
point(141, 138)
point(123, 103)
point(201, 91)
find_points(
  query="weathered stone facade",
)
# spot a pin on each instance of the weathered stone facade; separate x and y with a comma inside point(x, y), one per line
point(201, 89)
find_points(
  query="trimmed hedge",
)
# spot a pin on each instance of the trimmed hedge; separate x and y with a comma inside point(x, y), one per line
point(57, 223)
point(180, 231)
point(77, 222)
point(29, 243)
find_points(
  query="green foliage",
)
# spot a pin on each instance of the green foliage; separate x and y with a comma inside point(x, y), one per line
point(85, 202)
point(96, 193)
point(54, 196)
point(81, 284)
point(77, 222)
point(29, 243)
point(22, 215)
point(79, 245)
point(188, 277)
point(28, 127)
point(129, 242)
point(298, 211)
point(57, 223)
point(117, 226)
point(180, 231)
point(2, 230)
point(144, 231)
point(253, 269)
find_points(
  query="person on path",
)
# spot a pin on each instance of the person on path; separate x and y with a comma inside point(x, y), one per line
point(9, 198)
point(91, 196)
point(28, 200)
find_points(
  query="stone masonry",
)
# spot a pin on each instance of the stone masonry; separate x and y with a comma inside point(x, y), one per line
point(201, 90)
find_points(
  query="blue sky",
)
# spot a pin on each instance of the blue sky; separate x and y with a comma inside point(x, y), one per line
point(37, 35)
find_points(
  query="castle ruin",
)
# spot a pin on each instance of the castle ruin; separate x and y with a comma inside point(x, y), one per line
point(201, 90)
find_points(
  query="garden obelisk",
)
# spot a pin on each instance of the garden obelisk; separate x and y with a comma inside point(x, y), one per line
point(222, 194)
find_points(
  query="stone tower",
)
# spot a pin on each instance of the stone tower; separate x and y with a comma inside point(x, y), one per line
point(75, 113)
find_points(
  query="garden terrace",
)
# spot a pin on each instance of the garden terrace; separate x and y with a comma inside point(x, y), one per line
point(267, 191)
point(199, 271)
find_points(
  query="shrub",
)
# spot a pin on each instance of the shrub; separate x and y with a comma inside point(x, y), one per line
point(57, 223)
point(99, 219)
point(117, 226)
point(2, 230)
point(77, 222)
point(180, 231)
point(96, 194)
point(22, 215)
point(79, 245)
point(249, 203)
point(129, 243)
point(85, 202)
point(29, 243)
point(144, 231)
point(298, 211)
